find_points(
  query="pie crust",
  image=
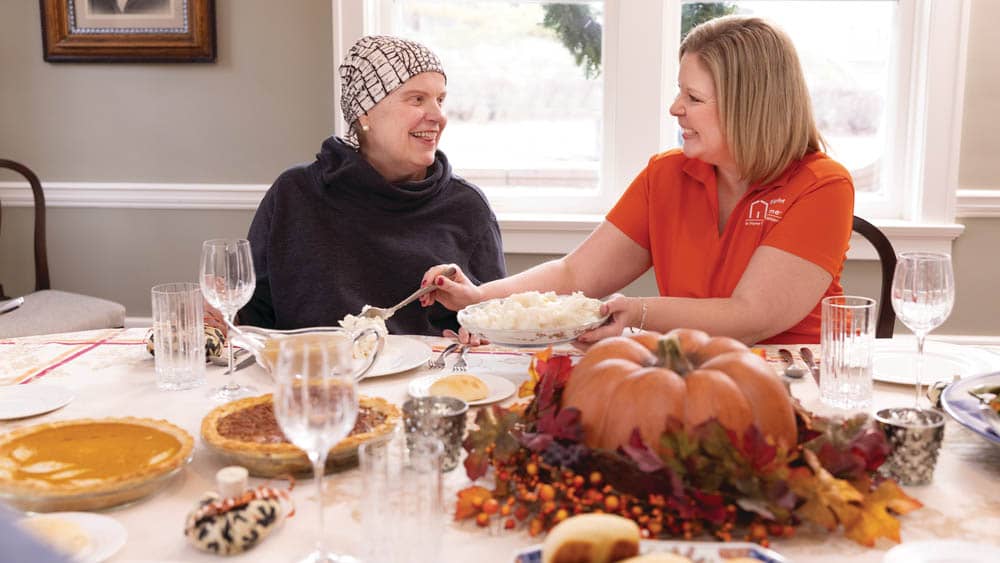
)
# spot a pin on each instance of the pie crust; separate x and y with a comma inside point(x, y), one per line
point(87, 464)
point(265, 452)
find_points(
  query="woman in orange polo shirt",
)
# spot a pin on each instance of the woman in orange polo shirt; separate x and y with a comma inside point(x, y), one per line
point(746, 227)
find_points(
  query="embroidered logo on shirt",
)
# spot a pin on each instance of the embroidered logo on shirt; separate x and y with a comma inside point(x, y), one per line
point(761, 211)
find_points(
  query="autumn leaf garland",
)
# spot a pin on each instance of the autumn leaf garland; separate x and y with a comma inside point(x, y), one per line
point(705, 482)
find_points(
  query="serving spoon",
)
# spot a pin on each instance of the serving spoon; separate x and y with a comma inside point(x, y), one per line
point(383, 313)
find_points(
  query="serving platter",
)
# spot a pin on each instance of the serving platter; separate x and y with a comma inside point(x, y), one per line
point(700, 552)
point(965, 408)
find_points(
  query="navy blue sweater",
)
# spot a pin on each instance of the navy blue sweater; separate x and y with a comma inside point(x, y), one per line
point(332, 236)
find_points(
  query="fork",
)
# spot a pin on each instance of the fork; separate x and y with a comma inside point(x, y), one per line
point(439, 362)
point(461, 365)
point(384, 314)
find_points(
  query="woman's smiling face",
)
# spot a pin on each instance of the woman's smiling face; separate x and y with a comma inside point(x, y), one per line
point(697, 113)
point(404, 128)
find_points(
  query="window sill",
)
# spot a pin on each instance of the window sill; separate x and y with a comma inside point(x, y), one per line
point(558, 234)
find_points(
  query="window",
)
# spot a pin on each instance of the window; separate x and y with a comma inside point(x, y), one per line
point(542, 137)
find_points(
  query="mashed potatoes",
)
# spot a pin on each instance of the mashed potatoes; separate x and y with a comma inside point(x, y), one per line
point(533, 310)
point(366, 346)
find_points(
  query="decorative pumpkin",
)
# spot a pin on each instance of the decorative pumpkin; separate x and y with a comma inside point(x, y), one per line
point(679, 380)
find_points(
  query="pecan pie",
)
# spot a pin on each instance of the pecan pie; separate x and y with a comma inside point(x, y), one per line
point(87, 464)
point(246, 432)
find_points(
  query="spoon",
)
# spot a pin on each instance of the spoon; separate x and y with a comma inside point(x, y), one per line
point(792, 370)
point(807, 355)
point(383, 313)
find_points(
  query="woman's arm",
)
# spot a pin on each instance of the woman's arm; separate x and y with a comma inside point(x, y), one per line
point(777, 290)
point(605, 262)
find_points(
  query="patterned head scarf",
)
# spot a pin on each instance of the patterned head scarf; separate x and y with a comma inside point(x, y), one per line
point(374, 67)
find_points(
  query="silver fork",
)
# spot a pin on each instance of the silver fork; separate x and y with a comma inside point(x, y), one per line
point(377, 312)
point(460, 365)
point(439, 362)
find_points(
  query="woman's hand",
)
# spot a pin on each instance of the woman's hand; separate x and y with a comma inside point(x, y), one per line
point(454, 293)
point(624, 311)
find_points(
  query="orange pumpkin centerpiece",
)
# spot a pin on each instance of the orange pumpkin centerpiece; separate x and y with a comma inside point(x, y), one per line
point(678, 380)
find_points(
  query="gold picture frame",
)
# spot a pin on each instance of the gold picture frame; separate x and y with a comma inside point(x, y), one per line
point(128, 30)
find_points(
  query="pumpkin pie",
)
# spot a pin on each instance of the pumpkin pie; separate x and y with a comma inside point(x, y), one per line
point(87, 464)
point(247, 433)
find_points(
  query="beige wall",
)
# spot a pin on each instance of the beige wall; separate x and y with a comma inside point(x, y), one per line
point(263, 106)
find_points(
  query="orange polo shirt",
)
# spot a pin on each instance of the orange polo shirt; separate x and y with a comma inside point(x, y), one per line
point(672, 210)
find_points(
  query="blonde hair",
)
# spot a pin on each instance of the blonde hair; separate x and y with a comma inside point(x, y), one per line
point(763, 101)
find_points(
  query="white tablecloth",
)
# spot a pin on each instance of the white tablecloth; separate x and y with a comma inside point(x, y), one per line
point(112, 375)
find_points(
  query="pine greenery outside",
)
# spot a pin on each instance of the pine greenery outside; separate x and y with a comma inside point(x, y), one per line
point(579, 32)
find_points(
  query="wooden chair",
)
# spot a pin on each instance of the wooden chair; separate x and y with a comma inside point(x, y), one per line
point(887, 256)
point(47, 310)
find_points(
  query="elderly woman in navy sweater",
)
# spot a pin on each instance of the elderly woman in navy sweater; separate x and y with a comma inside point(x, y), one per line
point(362, 223)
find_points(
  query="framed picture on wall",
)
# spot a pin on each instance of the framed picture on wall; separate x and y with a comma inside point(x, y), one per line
point(128, 30)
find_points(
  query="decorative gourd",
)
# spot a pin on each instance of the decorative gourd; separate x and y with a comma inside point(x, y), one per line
point(679, 380)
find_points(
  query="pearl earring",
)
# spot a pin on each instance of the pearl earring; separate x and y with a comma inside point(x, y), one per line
point(365, 128)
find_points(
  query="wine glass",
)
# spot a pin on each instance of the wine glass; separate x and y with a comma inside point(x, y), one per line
point(923, 293)
point(227, 282)
point(316, 404)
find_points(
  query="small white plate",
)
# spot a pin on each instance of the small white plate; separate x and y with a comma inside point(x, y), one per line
point(106, 534)
point(942, 551)
point(400, 354)
point(499, 388)
point(894, 361)
point(19, 401)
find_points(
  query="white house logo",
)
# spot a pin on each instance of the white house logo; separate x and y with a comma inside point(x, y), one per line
point(761, 211)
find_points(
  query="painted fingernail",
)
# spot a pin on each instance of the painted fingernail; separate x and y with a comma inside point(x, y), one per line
point(423, 283)
point(439, 280)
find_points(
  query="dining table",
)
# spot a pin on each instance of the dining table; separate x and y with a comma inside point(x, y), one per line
point(111, 374)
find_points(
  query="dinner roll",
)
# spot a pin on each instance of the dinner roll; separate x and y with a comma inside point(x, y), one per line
point(464, 386)
point(591, 538)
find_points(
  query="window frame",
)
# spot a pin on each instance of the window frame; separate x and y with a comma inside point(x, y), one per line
point(917, 208)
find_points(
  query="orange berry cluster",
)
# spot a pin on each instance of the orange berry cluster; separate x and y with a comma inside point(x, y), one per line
point(530, 492)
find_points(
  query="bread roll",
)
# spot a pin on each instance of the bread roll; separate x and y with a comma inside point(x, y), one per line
point(464, 386)
point(591, 538)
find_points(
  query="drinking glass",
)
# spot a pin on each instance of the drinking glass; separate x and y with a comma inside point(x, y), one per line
point(227, 281)
point(316, 404)
point(923, 293)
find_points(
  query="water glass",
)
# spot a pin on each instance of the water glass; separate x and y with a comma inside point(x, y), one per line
point(437, 417)
point(178, 335)
point(915, 436)
point(847, 338)
point(402, 511)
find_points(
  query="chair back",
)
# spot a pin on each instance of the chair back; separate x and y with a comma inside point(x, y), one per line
point(41, 260)
point(887, 256)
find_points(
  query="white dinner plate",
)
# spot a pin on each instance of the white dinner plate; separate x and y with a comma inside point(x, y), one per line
point(893, 361)
point(499, 387)
point(942, 551)
point(106, 534)
point(400, 354)
point(19, 401)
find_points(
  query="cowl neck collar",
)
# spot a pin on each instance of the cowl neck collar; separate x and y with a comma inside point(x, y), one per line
point(342, 168)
